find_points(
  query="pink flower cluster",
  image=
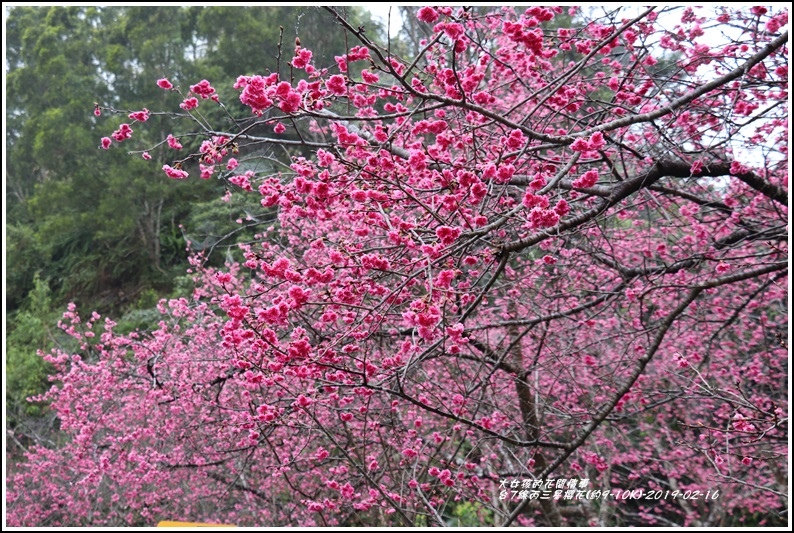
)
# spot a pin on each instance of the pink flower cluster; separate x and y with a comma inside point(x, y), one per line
point(595, 142)
point(140, 116)
point(174, 173)
point(531, 200)
point(189, 103)
point(447, 235)
point(259, 93)
point(163, 83)
point(173, 142)
point(124, 132)
point(204, 89)
point(427, 14)
point(336, 84)
point(540, 218)
point(302, 58)
point(586, 180)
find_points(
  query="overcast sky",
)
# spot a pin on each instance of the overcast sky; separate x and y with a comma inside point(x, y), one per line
point(381, 11)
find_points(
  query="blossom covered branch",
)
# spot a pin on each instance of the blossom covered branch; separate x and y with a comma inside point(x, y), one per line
point(498, 258)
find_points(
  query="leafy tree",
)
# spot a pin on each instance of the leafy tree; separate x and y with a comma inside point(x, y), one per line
point(255, 40)
point(27, 373)
point(95, 218)
point(497, 269)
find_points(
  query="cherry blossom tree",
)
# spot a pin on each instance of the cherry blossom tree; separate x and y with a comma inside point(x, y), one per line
point(534, 275)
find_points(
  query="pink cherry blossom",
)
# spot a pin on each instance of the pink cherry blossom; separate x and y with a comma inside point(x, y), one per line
point(173, 142)
point(203, 89)
point(140, 116)
point(427, 14)
point(174, 173)
point(189, 103)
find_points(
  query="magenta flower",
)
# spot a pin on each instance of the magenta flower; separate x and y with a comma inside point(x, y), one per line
point(175, 173)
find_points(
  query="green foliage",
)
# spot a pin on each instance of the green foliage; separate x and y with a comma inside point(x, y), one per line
point(470, 514)
point(31, 329)
point(139, 319)
point(96, 216)
point(24, 258)
point(246, 41)
point(217, 227)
